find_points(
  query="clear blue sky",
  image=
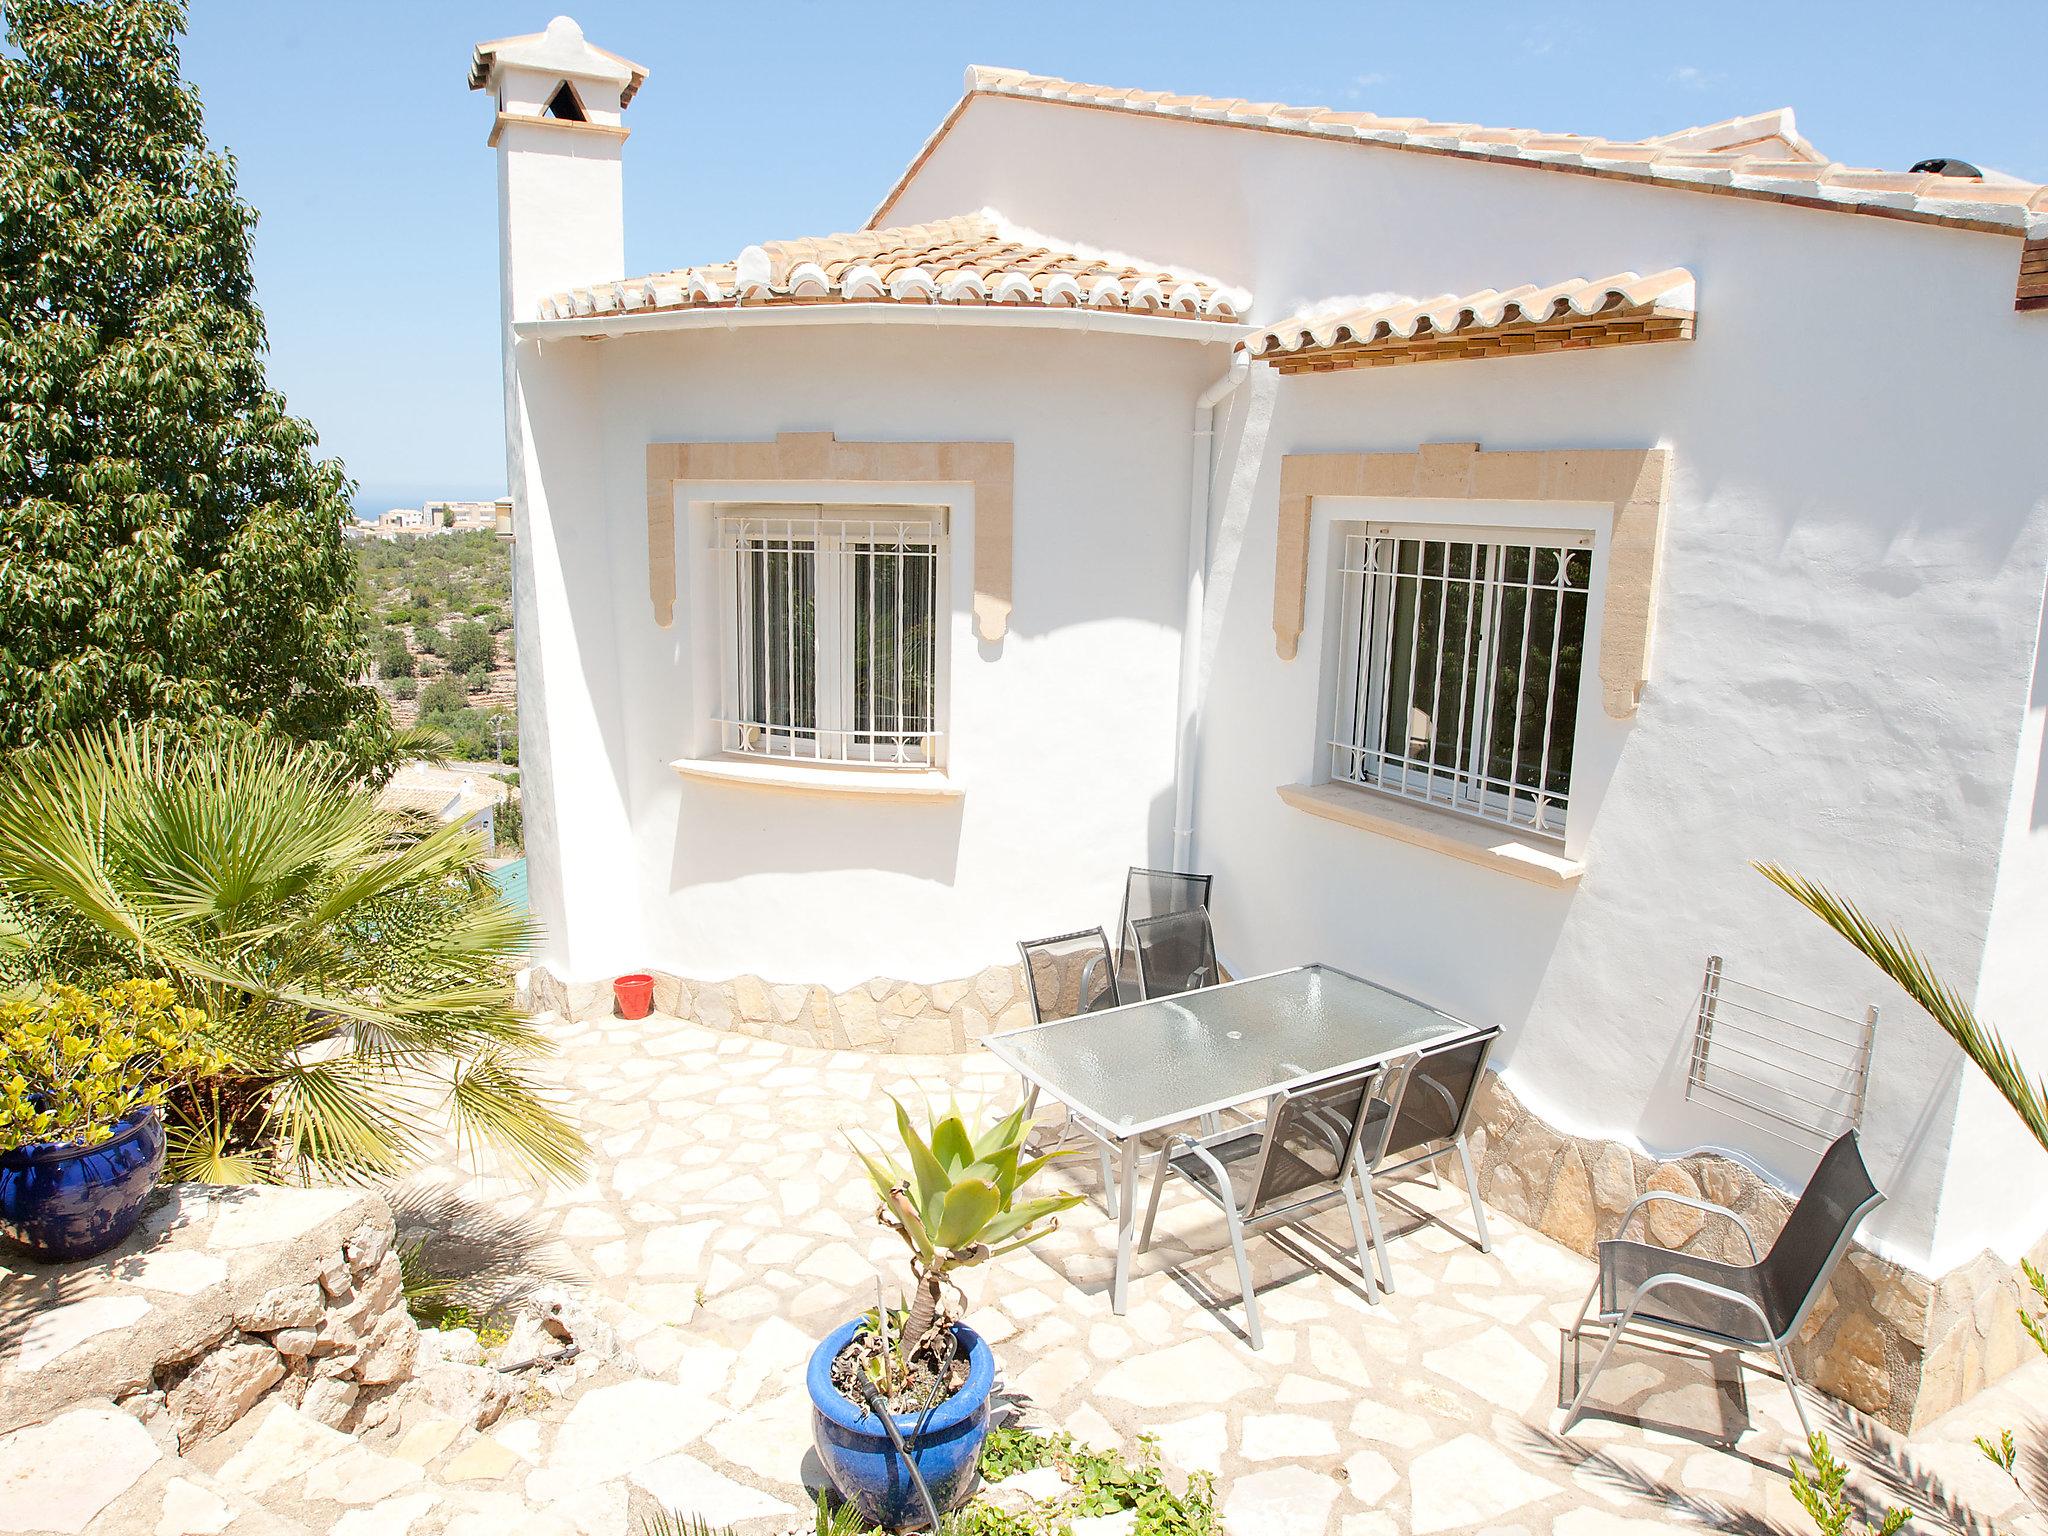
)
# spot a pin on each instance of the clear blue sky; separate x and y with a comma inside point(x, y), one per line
point(364, 153)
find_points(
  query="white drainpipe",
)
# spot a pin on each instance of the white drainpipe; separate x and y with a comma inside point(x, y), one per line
point(1190, 704)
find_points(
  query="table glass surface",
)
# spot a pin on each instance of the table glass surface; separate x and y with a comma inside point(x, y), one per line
point(1155, 1063)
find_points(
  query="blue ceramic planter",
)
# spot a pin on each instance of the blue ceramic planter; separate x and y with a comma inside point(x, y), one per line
point(864, 1466)
point(59, 1200)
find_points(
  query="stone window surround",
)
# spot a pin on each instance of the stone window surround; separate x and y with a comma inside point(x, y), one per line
point(818, 457)
point(1633, 482)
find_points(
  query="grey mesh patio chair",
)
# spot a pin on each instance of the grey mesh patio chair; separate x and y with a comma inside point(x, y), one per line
point(1175, 953)
point(1064, 976)
point(1429, 1121)
point(1153, 893)
point(1755, 1306)
point(1283, 1167)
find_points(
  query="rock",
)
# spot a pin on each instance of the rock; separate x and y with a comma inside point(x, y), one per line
point(387, 1355)
point(458, 1345)
point(1673, 1225)
point(329, 1402)
point(59, 1476)
point(568, 1317)
point(1857, 1370)
point(1614, 1183)
point(1019, 1492)
point(221, 1387)
point(474, 1394)
point(1569, 1214)
point(335, 1279)
point(366, 1247)
point(294, 1343)
point(284, 1306)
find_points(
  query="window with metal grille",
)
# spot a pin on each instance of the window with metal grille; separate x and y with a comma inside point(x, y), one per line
point(831, 634)
point(1458, 679)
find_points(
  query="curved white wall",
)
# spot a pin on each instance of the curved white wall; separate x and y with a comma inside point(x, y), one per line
point(1061, 733)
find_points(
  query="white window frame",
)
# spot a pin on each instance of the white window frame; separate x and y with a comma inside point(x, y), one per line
point(1356, 718)
point(832, 533)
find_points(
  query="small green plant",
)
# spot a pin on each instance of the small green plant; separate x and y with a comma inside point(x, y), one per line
point(1099, 1482)
point(1825, 1497)
point(957, 1206)
point(74, 1063)
point(1009, 1450)
point(2001, 1453)
point(668, 1522)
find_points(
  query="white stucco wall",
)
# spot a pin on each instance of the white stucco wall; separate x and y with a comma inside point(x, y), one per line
point(1060, 734)
point(1995, 1153)
point(1845, 630)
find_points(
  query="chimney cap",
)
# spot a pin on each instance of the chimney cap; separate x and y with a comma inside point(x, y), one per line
point(560, 50)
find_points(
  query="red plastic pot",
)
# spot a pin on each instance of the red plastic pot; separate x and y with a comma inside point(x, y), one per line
point(634, 995)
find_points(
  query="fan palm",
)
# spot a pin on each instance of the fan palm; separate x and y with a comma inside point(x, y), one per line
point(355, 963)
point(1890, 952)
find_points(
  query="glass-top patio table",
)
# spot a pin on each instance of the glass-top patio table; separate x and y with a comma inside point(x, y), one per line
point(1145, 1066)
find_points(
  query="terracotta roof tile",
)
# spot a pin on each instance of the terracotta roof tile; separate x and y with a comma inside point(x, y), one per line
point(975, 258)
point(1747, 155)
point(1622, 304)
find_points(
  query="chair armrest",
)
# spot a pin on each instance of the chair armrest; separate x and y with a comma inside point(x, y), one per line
point(1691, 1202)
point(1216, 1169)
point(1675, 1282)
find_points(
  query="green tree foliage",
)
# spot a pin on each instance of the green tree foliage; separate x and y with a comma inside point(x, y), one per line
point(444, 695)
point(471, 648)
point(394, 660)
point(354, 964)
point(169, 543)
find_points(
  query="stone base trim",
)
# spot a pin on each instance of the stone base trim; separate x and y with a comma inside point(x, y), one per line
point(881, 1014)
point(1899, 1346)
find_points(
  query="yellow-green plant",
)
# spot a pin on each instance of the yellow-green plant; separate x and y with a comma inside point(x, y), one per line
point(73, 1063)
point(1825, 1496)
point(957, 1205)
point(357, 968)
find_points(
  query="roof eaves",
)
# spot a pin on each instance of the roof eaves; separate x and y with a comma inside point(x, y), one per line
point(1677, 160)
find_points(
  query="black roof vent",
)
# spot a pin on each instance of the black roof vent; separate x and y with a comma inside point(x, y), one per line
point(1946, 167)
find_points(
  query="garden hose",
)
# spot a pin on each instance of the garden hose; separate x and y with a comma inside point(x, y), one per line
point(880, 1410)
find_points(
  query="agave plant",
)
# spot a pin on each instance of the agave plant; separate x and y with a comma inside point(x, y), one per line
point(956, 1206)
point(355, 967)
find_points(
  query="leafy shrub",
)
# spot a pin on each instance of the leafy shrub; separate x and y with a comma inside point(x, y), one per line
point(73, 1063)
point(405, 688)
point(443, 695)
point(395, 658)
point(471, 648)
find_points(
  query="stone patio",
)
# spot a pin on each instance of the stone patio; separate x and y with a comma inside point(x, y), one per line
point(725, 1227)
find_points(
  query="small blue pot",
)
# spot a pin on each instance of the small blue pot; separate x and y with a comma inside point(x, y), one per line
point(864, 1466)
point(61, 1200)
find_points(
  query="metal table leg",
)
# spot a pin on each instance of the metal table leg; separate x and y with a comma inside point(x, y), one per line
point(1126, 1224)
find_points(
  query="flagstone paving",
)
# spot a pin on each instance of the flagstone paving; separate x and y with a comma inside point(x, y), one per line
point(725, 1226)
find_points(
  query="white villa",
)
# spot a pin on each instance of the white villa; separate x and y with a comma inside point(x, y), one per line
point(1475, 546)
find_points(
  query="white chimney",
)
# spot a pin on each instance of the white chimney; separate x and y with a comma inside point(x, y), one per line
point(559, 137)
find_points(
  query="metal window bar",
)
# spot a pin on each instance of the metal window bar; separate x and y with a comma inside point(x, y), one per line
point(1792, 1069)
point(1498, 626)
point(831, 648)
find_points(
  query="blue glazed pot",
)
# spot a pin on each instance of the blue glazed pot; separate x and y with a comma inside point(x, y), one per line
point(60, 1200)
point(864, 1466)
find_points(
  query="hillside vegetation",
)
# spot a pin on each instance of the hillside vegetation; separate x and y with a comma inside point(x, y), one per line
point(440, 613)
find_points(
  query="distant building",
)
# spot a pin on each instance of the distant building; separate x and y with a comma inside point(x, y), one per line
point(437, 517)
point(448, 795)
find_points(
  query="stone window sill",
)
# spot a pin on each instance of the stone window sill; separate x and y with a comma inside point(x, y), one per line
point(822, 778)
point(1424, 826)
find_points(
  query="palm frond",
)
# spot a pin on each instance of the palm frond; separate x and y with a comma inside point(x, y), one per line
point(497, 1105)
point(363, 965)
point(1893, 954)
